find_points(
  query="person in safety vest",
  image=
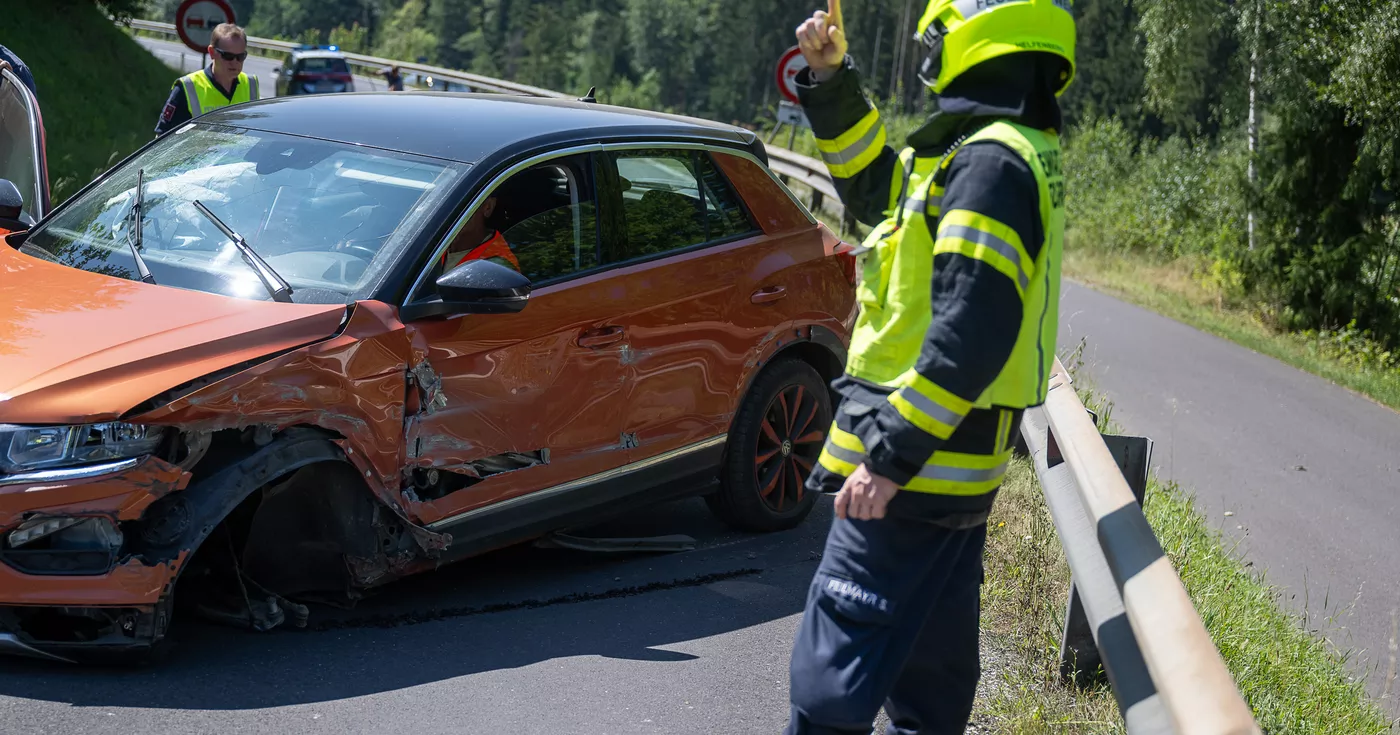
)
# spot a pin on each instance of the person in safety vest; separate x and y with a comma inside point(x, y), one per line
point(220, 84)
point(954, 340)
point(477, 241)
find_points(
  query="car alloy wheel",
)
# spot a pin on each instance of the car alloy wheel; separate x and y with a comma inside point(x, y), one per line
point(788, 446)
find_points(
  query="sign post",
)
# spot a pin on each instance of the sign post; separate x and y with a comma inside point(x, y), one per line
point(195, 21)
point(789, 110)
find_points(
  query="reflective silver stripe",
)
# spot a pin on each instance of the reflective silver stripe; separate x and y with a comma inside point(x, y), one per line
point(844, 454)
point(191, 96)
point(253, 94)
point(923, 403)
point(961, 474)
point(981, 237)
point(853, 151)
point(921, 206)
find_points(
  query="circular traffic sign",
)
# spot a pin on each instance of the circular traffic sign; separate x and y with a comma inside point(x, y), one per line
point(195, 21)
point(789, 65)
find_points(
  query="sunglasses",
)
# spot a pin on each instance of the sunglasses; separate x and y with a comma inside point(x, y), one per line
point(230, 56)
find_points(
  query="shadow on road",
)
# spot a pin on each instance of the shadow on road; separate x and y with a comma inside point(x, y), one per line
point(631, 608)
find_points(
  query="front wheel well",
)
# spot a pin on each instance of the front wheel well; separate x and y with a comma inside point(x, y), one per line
point(272, 487)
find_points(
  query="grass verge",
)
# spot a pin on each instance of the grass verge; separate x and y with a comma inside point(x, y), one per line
point(1173, 290)
point(100, 92)
point(1294, 682)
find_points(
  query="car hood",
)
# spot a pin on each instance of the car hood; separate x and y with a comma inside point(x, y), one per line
point(78, 346)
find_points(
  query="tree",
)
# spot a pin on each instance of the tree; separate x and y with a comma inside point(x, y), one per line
point(405, 37)
point(1109, 65)
point(354, 39)
point(1330, 179)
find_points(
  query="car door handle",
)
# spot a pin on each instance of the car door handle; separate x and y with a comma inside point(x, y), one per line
point(602, 337)
point(768, 295)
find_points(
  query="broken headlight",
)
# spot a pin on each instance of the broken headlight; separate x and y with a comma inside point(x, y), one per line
point(26, 448)
point(63, 545)
point(67, 533)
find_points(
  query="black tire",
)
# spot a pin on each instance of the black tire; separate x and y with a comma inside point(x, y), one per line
point(761, 482)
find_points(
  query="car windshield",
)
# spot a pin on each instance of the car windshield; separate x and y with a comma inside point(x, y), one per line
point(328, 217)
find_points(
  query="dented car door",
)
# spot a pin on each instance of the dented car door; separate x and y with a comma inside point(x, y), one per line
point(518, 403)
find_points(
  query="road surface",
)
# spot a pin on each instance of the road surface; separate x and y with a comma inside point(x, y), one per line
point(179, 56)
point(1309, 470)
point(695, 642)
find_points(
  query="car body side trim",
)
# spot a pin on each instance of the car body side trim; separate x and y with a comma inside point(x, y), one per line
point(581, 483)
point(70, 473)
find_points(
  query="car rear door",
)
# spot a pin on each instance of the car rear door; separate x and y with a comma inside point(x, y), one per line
point(519, 403)
point(22, 156)
point(704, 288)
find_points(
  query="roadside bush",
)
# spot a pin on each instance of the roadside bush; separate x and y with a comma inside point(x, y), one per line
point(1168, 198)
point(1353, 347)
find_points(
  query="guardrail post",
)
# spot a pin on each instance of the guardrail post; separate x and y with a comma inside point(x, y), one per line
point(1080, 662)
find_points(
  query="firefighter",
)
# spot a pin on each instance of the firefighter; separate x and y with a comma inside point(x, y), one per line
point(960, 281)
point(220, 84)
point(480, 239)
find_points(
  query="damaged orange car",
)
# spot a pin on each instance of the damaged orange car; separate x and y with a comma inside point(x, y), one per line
point(258, 364)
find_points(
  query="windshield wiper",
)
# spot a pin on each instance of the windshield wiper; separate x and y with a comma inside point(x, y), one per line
point(134, 237)
point(275, 284)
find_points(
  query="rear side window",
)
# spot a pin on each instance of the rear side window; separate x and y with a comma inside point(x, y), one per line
point(324, 64)
point(673, 200)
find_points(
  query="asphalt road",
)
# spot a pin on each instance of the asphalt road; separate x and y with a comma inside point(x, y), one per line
point(693, 642)
point(181, 57)
point(1309, 470)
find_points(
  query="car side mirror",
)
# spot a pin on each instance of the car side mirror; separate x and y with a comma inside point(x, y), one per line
point(12, 207)
point(475, 287)
point(276, 70)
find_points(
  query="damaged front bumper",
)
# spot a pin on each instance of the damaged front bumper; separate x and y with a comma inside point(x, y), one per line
point(62, 602)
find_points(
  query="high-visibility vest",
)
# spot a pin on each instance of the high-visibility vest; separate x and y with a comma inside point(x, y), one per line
point(894, 292)
point(203, 96)
point(495, 248)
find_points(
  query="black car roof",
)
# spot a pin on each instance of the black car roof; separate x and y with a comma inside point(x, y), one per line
point(467, 127)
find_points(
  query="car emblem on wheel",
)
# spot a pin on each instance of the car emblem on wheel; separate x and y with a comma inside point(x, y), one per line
point(787, 447)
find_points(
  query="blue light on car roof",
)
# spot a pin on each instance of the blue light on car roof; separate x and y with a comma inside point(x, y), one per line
point(333, 48)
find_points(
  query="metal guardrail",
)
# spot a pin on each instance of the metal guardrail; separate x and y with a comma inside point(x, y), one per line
point(1128, 610)
point(1133, 615)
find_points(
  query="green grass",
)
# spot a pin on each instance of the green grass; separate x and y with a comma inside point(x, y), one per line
point(1174, 289)
point(1295, 682)
point(100, 92)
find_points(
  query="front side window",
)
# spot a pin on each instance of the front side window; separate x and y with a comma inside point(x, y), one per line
point(676, 199)
point(541, 222)
point(328, 217)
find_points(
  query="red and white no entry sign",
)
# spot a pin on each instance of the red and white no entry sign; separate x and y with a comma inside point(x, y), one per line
point(789, 65)
point(195, 21)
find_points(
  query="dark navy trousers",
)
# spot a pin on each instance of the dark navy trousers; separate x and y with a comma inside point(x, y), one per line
point(892, 620)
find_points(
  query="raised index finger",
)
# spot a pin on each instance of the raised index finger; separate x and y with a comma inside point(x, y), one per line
point(833, 10)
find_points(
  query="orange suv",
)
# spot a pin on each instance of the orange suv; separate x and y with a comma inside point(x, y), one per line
point(238, 371)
